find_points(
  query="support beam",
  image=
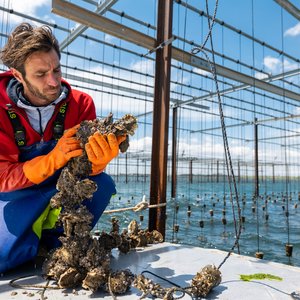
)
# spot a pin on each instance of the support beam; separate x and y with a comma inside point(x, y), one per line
point(91, 19)
point(101, 9)
point(240, 77)
point(240, 87)
point(104, 84)
point(289, 7)
point(161, 107)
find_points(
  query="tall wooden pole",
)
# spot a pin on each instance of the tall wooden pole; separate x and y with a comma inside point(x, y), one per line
point(191, 171)
point(256, 172)
point(174, 154)
point(157, 216)
point(218, 173)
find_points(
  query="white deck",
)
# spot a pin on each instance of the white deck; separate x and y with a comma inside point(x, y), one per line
point(179, 264)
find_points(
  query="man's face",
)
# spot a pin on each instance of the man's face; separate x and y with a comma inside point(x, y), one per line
point(42, 82)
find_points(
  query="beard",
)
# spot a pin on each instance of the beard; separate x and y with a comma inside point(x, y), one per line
point(47, 95)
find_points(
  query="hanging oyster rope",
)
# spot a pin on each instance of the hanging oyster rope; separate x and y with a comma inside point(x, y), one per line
point(83, 260)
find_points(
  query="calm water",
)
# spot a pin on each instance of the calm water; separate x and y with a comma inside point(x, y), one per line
point(266, 228)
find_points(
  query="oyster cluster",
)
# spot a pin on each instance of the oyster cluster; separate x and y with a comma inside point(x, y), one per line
point(82, 259)
point(127, 125)
point(205, 280)
point(130, 238)
point(202, 283)
point(149, 287)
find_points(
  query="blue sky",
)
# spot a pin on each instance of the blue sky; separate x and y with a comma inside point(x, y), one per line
point(268, 24)
point(264, 19)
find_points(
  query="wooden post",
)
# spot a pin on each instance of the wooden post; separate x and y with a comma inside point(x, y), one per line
point(191, 172)
point(256, 175)
point(174, 153)
point(159, 159)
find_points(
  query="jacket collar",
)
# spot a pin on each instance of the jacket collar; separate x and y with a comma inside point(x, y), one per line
point(15, 91)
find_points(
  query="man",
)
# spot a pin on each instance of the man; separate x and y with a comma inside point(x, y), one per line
point(39, 117)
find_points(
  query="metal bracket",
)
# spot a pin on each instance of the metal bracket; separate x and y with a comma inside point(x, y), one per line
point(161, 45)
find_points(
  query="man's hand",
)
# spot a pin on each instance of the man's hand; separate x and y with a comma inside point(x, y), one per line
point(101, 149)
point(66, 148)
point(41, 167)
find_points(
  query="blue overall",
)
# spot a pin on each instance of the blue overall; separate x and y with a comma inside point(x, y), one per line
point(20, 209)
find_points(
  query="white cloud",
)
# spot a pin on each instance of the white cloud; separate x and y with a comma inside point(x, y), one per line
point(139, 145)
point(297, 110)
point(289, 66)
point(293, 31)
point(146, 66)
point(193, 148)
point(109, 38)
point(272, 63)
point(275, 65)
point(208, 147)
point(104, 101)
point(28, 7)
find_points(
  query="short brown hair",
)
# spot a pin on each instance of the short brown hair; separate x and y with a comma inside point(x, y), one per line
point(24, 41)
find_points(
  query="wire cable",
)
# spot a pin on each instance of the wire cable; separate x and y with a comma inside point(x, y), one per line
point(228, 160)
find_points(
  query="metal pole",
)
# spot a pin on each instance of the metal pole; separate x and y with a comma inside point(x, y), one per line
point(126, 167)
point(137, 170)
point(159, 159)
point(218, 174)
point(256, 175)
point(174, 153)
point(191, 172)
point(239, 172)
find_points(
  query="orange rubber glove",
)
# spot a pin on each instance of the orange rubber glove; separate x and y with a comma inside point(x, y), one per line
point(41, 167)
point(101, 149)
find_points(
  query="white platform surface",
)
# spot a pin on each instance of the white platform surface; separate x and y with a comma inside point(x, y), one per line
point(179, 264)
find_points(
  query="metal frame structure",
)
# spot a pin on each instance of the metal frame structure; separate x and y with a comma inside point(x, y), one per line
point(94, 20)
point(272, 85)
point(261, 113)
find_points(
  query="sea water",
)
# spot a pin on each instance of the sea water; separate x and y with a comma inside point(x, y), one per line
point(271, 220)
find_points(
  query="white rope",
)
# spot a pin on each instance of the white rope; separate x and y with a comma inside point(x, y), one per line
point(139, 207)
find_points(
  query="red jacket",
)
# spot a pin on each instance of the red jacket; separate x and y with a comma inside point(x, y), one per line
point(80, 107)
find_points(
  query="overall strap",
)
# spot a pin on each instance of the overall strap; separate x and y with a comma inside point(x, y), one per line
point(19, 130)
point(59, 123)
